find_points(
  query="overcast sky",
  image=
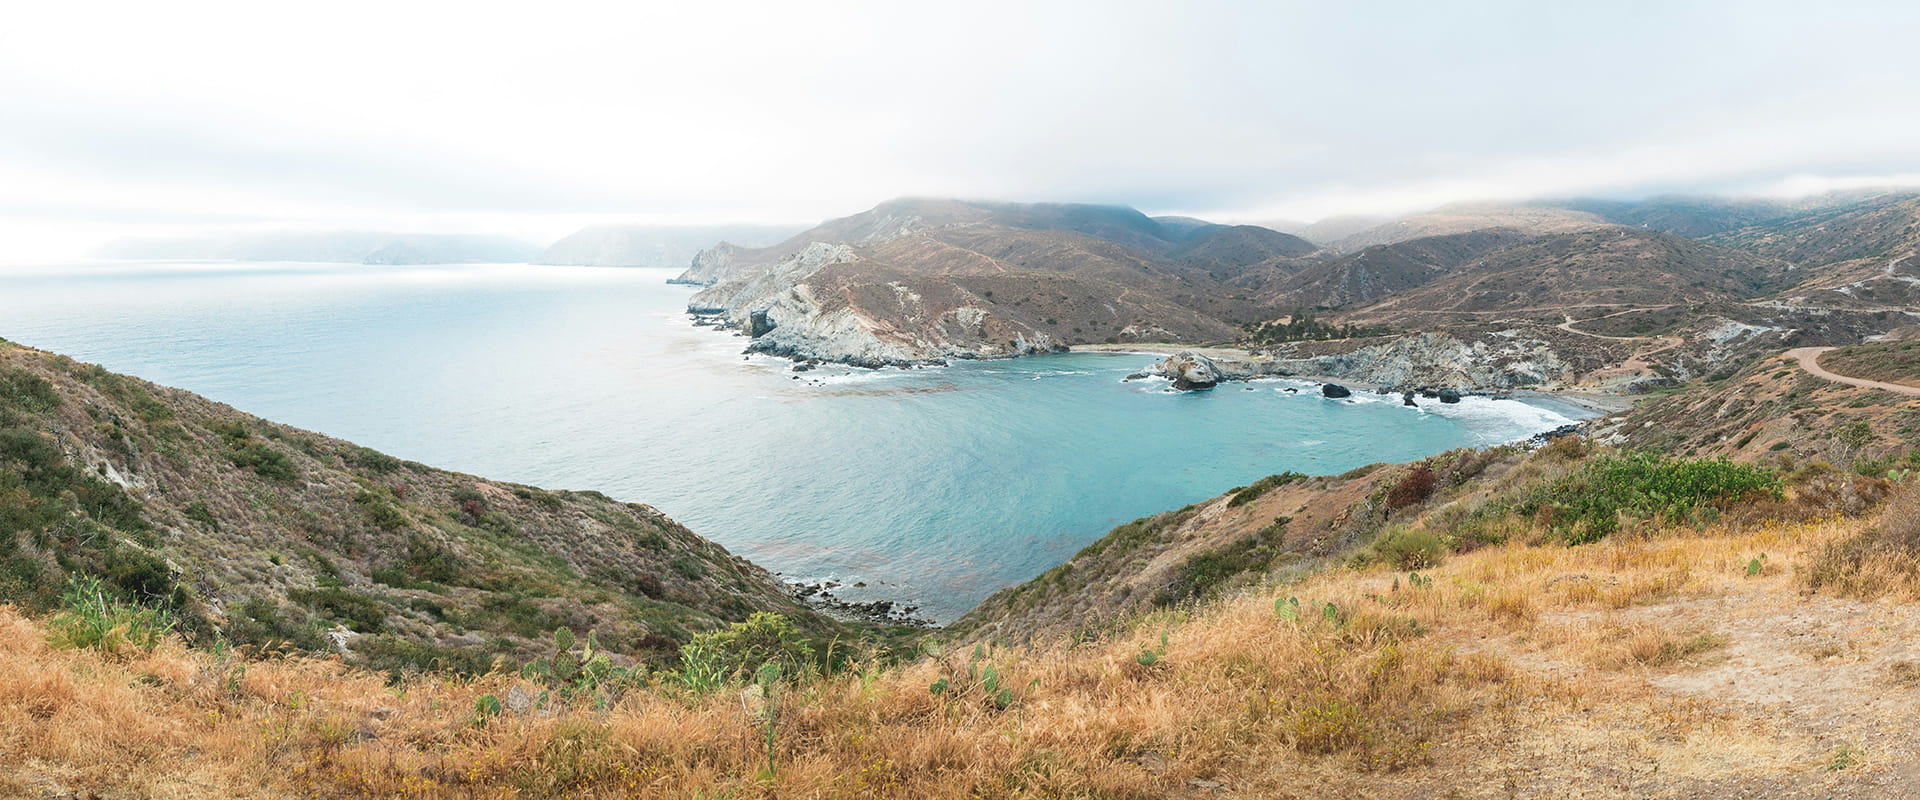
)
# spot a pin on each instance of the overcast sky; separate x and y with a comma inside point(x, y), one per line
point(534, 118)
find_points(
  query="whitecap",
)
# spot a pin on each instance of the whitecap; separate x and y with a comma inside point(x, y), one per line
point(1498, 421)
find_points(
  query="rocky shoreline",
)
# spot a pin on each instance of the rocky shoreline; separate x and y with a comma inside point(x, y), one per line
point(1190, 370)
point(1413, 362)
point(1189, 367)
point(820, 597)
point(805, 352)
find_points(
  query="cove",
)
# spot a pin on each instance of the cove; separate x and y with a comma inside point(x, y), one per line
point(934, 487)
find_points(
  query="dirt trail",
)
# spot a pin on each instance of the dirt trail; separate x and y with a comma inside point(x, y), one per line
point(1817, 694)
point(1635, 364)
point(1809, 360)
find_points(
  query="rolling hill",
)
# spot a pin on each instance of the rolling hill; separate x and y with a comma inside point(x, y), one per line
point(264, 535)
point(918, 280)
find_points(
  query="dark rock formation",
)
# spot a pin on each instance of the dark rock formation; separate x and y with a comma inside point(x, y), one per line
point(1335, 390)
point(1449, 395)
point(757, 323)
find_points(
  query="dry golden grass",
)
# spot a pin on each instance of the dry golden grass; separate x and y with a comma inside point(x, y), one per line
point(1402, 689)
point(1878, 561)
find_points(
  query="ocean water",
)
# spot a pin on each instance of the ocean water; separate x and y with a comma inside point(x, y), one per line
point(933, 486)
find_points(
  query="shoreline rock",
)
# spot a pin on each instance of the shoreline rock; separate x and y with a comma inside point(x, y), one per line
point(820, 597)
point(1191, 371)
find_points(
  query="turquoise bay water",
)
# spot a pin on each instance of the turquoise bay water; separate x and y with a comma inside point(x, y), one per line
point(934, 486)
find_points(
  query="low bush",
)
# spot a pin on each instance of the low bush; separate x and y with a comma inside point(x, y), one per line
point(1407, 549)
point(362, 613)
point(25, 391)
point(741, 649)
point(266, 627)
point(370, 460)
point(400, 658)
point(380, 513)
point(1205, 572)
point(1413, 488)
point(93, 619)
point(1248, 494)
point(32, 462)
point(264, 461)
point(1881, 560)
point(1589, 503)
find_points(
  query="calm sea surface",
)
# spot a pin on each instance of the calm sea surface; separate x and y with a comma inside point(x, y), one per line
point(934, 486)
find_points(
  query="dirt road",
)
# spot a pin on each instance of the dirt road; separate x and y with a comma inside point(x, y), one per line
point(1809, 358)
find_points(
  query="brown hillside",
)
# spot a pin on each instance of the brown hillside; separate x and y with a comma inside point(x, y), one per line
point(269, 535)
point(1617, 266)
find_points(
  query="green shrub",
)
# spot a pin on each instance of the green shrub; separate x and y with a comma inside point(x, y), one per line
point(1409, 549)
point(31, 462)
point(740, 649)
point(25, 391)
point(1855, 434)
point(688, 567)
point(370, 460)
point(1248, 494)
point(362, 613)
point(264, 461)
point(259, 623)
point(143, 576)
point(1132, 535)
point(1589, 503)
point(424, 564)
point(1203, 573)
point(198, 512)
point(399, 658)
point(543, 499)
point(380, 512)
point(92, 619)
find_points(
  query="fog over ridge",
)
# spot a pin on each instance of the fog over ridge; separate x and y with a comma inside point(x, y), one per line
point(124, 119)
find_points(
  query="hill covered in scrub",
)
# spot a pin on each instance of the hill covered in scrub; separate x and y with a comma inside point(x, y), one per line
point(1498, 622)
point(1707, 450)
point(1702, 652)
point(916, 280)
point(1606, 295)
point(253, 533)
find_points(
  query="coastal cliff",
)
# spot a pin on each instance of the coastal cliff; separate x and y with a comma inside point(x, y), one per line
point(919, 281)
point(1510, 360)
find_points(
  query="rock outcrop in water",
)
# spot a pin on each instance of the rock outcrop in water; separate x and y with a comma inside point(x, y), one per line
point(758, 325)
point(1335, 391)
point(1190, 370)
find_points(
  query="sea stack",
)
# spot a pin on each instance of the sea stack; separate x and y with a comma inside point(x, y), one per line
point(1190, 370)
